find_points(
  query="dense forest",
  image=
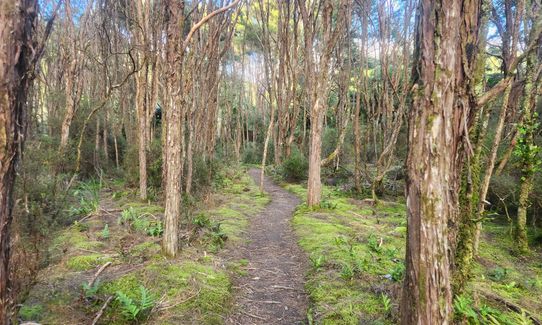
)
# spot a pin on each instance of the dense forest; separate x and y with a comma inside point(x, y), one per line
point(270, 162)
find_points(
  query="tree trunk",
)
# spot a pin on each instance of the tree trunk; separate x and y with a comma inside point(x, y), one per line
point(314, 182)
point(173, 176)
point(17, 25)
point(142, 132)
point(431, 172)
point(357, 143)
point(526, 148)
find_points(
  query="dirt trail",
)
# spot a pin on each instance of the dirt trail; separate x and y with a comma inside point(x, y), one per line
point(272, 292)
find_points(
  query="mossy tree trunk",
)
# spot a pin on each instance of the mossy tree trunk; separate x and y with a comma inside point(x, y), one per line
point(526, 149)
point(432, 163)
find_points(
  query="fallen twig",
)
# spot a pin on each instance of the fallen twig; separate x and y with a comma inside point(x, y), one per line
point(251, 315)
point(100, 270)
point(101, 311)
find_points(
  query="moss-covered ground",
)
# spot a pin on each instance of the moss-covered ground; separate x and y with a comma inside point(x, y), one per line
point(194, 288)
point(357, 252)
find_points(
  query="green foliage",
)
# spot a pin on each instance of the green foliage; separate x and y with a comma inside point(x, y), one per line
point(31, 313)
point(88, 195)
point(463, 309)
point(217, 235)
point(374, 244)
point(141, 222)
point(398, 272)
point(252, 154)
point(466, 313)
point(317, 261)
point(208, 174)
point(328, 205)
point(154, 166)
point(498, 274)
point(347, 271)
point(526, 150)
point(386, 303)
point(136, 310)
point(295, 167)
point(155, 229)
point(127, 216)
point(521, 319)
point(105, 232)
point(90, 291)
point(201, 220)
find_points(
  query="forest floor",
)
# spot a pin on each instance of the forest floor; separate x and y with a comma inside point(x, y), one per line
point(260, 258)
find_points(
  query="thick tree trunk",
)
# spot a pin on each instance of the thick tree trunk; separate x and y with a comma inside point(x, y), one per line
point(17, 25)
point(432, 175)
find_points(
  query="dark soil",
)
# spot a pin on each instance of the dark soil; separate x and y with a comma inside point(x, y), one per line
point(272, 292)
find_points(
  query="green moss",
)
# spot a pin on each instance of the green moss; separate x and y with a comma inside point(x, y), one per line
point(144, 208)
point(72, 238)
point(146, 250)
point(86, 262)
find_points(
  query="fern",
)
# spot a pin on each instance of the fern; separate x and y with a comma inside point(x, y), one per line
point(129, 308)
point(105, 232)
point(90, 291)
point(135, 310)
point(147, 300)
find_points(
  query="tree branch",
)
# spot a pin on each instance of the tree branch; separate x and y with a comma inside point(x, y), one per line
point(203, 20)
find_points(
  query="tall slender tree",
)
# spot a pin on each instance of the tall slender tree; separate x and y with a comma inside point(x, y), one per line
point(18, 55)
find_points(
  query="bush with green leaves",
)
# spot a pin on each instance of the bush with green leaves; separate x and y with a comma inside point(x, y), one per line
point(252, 154)
point(295, 167)
point(88, 196)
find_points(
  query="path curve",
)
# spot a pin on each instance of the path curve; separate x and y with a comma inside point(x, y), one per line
point(273, 291)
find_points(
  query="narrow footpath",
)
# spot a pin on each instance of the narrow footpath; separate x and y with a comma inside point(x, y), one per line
point(273, 290)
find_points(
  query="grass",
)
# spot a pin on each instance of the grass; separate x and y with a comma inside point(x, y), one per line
point(357, 256)
point(194, 288)
point(353, 250)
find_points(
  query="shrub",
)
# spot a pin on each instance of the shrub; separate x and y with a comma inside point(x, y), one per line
point(252, 154)
point(295, 167)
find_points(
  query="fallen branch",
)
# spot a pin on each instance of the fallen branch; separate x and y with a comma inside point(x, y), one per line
point(510, 305)
point(101, 311)
point(100, 270)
